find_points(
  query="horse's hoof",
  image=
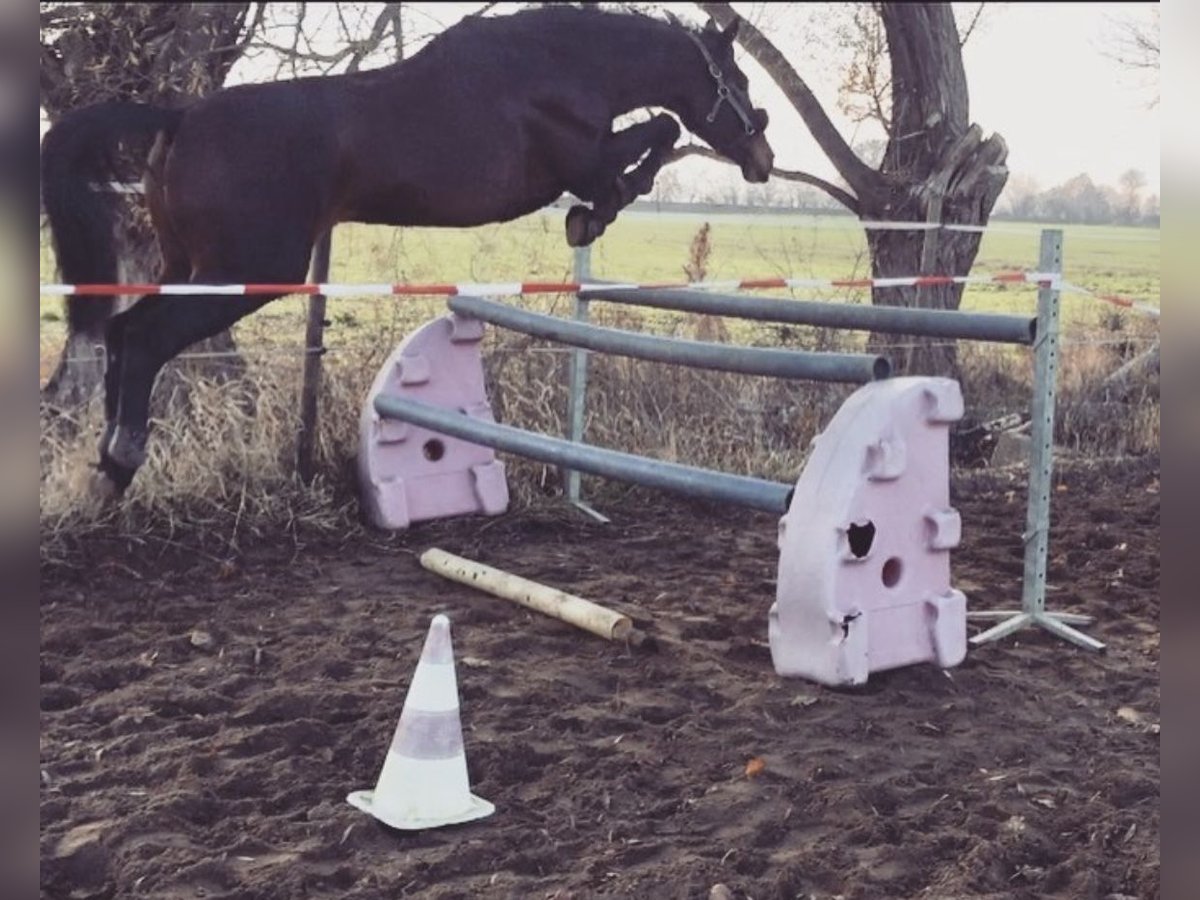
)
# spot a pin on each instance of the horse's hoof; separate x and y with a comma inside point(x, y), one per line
point(102, 489)
point(579, 222)
point(126, 449)
point(595, 229)
point(117, 476)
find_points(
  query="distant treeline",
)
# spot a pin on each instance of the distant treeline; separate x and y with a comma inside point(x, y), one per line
point(1080, 200)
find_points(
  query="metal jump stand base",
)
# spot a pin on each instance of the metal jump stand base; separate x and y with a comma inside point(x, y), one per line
point(1037, 536)
point(1058, 624)
point(595, 514)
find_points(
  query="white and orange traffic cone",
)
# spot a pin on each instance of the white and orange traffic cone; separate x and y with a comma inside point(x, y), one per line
point(424, 781)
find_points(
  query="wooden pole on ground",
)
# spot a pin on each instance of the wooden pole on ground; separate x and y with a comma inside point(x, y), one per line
point(552, 602)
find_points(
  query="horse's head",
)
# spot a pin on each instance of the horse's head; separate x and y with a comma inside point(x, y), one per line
point(718, 109)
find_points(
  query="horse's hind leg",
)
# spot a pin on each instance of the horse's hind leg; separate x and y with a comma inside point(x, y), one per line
point(175, 270)
point(156, 330)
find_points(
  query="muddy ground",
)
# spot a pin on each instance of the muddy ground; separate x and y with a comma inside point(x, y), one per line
point(172, 770)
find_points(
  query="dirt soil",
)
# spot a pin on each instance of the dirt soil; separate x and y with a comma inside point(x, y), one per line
point(203, 718)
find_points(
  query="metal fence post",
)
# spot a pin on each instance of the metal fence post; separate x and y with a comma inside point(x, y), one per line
point(577, 400)
point(1041, 462)
point(314, 348)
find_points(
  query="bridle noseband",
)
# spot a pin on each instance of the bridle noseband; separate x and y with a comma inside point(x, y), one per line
point(724, 91)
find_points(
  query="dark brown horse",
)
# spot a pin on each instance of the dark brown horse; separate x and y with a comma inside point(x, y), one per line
point(492, 120)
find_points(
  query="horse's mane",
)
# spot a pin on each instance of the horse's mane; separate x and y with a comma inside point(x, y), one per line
point(565, 16)
point(595, 9)
point(592, 10)
point(562, 15)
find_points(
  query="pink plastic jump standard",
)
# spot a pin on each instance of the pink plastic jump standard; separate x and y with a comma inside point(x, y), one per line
point(409, 474)
point(864, 563)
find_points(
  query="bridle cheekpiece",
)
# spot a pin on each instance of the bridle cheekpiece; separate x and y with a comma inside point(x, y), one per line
point(724, 91)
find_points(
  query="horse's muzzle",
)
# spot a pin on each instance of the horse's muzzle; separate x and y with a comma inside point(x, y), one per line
point(760, 159)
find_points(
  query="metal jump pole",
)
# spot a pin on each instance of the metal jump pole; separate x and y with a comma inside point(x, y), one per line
point(576, 403)
point(720, 487)
point(856, 368)
point(1041, 460)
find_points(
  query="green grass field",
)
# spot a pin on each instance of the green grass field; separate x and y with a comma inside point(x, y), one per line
point(649, 246)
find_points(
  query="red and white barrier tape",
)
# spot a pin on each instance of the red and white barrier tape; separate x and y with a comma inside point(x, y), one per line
point(1116, 300)
point(918, 226)
point(534, 287)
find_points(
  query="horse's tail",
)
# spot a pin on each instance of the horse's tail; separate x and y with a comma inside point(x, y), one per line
point(77, 153)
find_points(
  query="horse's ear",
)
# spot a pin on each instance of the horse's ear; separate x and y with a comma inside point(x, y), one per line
point(730, 33)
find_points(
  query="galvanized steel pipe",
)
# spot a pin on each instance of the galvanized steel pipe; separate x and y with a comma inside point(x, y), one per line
point(943, 323)
point(757, 493)
point(855, 368)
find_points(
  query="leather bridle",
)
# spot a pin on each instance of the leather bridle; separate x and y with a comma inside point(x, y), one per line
point(725, 91)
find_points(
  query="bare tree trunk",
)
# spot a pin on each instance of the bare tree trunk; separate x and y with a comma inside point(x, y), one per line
point(947, 171)
point(962, 189)
point(78, 374)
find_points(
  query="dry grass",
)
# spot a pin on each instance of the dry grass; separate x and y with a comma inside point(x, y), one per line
point(225, 469)
point(736, 423)
point(222, 471)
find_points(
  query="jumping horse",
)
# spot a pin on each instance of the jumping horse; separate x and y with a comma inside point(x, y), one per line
point(493, 119)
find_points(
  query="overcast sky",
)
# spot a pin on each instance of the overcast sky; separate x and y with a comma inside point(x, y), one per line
point(1037, 76)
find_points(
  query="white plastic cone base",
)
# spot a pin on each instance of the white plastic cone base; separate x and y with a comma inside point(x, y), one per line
point(422, 793)
point(424, 781)
point(364, 800)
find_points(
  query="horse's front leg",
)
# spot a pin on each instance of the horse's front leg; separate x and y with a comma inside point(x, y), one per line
point(640, 180)
point(609, 187)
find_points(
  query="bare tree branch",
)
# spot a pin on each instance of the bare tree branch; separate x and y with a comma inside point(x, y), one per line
point(365, 47)
point(294, 53)
point(867, 74)
point(346, 30)
point(398, 32)
point(54, 16)
point(1136, 45)
point(485, 8)
point(301, 13)
point(853, 170)
point(256, 24)
point(846, 199)
point(965, 35)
